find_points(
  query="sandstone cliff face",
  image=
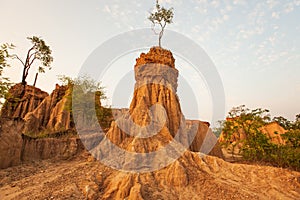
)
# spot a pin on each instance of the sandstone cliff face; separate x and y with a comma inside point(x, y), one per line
point(39, 110)
point(16, 148)
point(51, 114)
point(22, 100)
point(57, 148)
point(204, 141)
point(10, 142)
point(274, 131)
point(30, 111)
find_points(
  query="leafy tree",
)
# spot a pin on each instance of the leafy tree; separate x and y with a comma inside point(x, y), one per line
point(297, 122)
point(298, 117)
point(246, 122)
point(161, 17)
point(89, 94)
point(257, 146)
point(292, 138)
point(286, 124)
point(39, 51)
point(4, 81)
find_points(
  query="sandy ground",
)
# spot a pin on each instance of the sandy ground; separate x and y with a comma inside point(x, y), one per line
point(71, 179)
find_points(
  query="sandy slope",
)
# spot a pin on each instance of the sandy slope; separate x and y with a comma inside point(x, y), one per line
point(205, 178)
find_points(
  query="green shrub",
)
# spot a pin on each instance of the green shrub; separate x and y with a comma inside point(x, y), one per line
point(257, 146)
point(87, 101)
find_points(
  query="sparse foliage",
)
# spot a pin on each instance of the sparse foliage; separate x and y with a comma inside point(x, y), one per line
point(4, 81)
point(39, 51)
point(87, 100)
point(286, 124)
point(292, 137)
point(296, 124)
point(161, 17)
point(243, 121)
point(257, 146)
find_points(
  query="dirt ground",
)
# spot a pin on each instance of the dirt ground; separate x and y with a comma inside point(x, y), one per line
point(84, 178)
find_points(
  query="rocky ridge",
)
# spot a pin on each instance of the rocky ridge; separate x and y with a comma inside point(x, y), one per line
point(40, 111)
point(21, 100)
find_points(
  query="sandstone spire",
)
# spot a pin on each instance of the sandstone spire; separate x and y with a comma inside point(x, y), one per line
point(153, 133)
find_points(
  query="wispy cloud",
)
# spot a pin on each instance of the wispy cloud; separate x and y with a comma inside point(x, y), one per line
point(215, 3)
point(275, 15)
point(239, 2)
point(272, 3)
point(289, 7)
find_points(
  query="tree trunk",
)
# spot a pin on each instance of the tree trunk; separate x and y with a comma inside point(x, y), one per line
point(159, 39)
point(23, 77)
point(36, 75)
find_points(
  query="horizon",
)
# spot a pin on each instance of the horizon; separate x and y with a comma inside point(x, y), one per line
point(254, 45)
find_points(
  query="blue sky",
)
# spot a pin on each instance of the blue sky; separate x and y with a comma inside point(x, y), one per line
point(255, 45)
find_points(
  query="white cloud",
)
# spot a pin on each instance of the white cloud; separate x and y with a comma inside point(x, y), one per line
point(201, 10)
point(272, 3)
point(202, 1)
point(204, 36)
point(289, 7)
point(225, 17)
point(272, 40)
point(215, 23)
point(226, 10)
point(249, 32)
point(257, 16)
point(228, 7)
point(239, 2)
point(275, 15)
point(215, 3)
point(166, 1)
point(106, 9)
point(297, 2)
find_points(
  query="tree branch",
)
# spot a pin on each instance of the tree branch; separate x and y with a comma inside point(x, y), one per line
point(31, 62)
point(17, 57)
point(153, 26)
point(28, 54)
point(32, 54)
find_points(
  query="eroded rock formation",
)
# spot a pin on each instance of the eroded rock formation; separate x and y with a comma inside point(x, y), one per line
point(190, 176)
point(50, 148)
point(204, 141)
point(52, 113)
point(10, 142)
point(30, 111)
point(153, 134)
point(21, 100)
point(40, 111)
